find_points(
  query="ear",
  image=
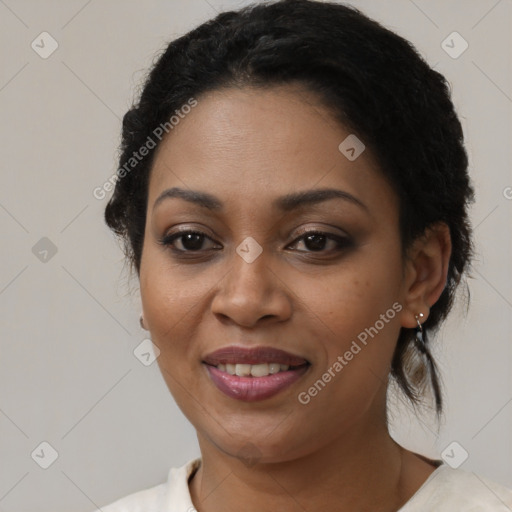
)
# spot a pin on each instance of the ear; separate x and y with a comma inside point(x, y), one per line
point(426, 270)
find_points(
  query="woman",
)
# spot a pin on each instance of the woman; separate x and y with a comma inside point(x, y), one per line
point(293, 193)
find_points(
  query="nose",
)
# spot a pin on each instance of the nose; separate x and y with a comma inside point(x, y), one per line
point(252, 292)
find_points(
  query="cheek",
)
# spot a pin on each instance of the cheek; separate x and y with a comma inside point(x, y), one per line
point(170, 302)
point(355, 311)
point(354, 295)
point(174, 299)
point(165, 300)
point(168, 290)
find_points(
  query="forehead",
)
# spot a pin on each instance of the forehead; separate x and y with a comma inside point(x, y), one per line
point(255, 144)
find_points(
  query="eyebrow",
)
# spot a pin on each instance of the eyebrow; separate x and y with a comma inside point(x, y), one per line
point(284, 203)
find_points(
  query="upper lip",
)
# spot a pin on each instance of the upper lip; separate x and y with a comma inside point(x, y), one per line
point(256, 355)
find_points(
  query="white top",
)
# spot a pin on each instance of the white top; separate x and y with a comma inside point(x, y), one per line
point(445, 490)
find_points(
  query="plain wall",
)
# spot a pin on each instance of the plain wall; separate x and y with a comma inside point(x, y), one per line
point(68, 375)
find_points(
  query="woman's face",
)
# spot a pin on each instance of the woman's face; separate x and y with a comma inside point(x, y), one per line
point(253, 278)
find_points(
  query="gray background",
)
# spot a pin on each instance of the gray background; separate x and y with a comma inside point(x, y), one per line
point(68, 375)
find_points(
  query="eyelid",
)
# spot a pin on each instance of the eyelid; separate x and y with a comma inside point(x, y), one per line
point(167, 238)
point(301, 231)
point(342, 240)
point(322, 230)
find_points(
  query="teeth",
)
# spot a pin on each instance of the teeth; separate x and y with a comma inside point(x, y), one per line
point(259, 370)
point(274, 368)
point(253, 370)
point(243, 370)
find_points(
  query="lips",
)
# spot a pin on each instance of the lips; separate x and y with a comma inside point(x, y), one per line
point(257, 355)
point(252, 374)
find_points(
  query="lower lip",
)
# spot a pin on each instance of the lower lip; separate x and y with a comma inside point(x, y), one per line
point(252, 389)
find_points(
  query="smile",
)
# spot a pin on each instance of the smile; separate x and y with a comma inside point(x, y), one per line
point(254, 374)
point(252, 370)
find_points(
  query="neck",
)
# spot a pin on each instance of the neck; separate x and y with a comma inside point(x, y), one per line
point(362, 470)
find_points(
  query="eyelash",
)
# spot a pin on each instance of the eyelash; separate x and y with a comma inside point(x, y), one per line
point(342, 241)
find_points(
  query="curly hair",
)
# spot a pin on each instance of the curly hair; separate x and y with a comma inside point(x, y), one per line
point(373, 82)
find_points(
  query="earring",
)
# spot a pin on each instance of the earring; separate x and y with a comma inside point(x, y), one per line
point(141, 322)
point(419, 330)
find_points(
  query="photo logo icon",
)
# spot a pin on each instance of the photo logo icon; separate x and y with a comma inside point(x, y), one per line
point(44, 45)
point(44, 455)
point(146, 352)
point(351, 147)
point(249, 249)
point(454, 455)
point(250, 454)
point(44, 250)
point(454, 45)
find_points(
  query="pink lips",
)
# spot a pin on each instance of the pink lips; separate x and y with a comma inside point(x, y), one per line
point(251, 389)
point(236, 354)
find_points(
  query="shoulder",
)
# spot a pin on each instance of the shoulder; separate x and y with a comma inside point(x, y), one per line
point(449, 489)
point(148, 500)
point(159, 498)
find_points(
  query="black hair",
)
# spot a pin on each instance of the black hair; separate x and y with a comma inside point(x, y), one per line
point(372, 80)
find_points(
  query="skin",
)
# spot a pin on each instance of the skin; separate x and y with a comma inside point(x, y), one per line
point(247, 147)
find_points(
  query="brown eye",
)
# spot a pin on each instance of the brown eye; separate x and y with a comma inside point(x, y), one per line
point(316, 241)
point(191, 240)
